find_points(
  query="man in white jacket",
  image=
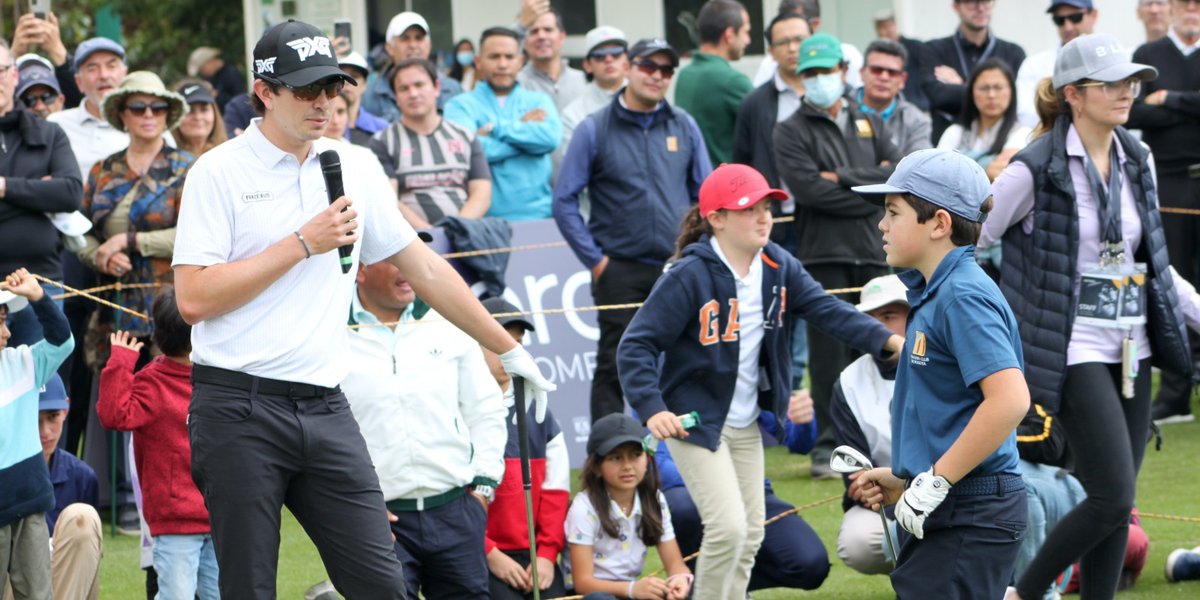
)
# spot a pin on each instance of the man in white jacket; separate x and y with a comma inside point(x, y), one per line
point(433, 419)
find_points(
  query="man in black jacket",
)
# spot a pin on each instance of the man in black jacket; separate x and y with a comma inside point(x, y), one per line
point(1168, 113)
point(823, 150)
point(953, 58)
point(38, 175)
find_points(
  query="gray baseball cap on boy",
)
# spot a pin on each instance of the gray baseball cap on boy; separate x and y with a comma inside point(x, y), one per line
point(946, 178)
point(1098, 57)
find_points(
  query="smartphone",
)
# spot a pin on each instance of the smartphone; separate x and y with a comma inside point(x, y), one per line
point(40, 8)
point(341, 28)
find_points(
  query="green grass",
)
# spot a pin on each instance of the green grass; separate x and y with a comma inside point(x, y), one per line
point(1168, 485)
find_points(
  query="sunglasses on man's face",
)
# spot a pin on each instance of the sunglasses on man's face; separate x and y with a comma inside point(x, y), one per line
point(157, 108)
point(31, 100)
point(649, 67)
point(602, 53)
point(309, 93)
point(1076, 19)
point(879, 71)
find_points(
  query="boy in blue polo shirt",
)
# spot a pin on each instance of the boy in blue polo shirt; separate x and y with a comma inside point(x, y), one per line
point(960, 390)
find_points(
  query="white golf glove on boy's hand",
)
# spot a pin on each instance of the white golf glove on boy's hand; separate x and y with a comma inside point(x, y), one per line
point(519, 363)
point(921, 498)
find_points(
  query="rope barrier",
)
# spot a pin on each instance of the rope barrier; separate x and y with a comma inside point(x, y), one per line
point(105, 288)
point(1169, 517)
point(118, 287)
point(1179, 211)
point(777, 517)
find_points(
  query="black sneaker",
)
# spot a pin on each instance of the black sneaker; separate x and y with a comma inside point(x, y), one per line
point(1163, 413)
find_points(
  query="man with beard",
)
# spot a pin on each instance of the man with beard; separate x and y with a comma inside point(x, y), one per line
point(642, 162)
point(710, 89)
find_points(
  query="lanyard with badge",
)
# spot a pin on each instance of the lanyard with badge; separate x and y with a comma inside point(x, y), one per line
point(1113, 294)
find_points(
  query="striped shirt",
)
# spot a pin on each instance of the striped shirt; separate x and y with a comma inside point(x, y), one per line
point(432, 171)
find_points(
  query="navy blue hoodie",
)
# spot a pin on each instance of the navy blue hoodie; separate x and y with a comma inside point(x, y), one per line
point(693, 376)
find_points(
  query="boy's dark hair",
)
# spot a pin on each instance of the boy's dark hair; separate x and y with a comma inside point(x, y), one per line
point(963, 232)
point(409, 63)
point(715, 17)
point(889, 47)
point(497, 32)
point(172, 334)
point(779, 18)
point(650, 528)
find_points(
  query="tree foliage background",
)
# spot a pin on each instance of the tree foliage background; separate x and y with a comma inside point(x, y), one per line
point(158, 34)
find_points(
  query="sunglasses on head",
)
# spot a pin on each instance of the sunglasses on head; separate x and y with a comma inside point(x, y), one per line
point(158, 107)
point(46, 98)
point(1076, 19)
point(601, 53)
point(310, 92)
point(649, 67)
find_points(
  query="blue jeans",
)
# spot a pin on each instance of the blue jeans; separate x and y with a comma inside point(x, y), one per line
point(24, 325)
point(186, 567)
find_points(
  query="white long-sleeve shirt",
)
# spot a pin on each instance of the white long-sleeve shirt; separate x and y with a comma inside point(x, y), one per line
point(427, 406)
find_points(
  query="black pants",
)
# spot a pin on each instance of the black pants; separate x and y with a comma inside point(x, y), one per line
point(502, 591)
point(827, 356)
point(1183, 247)
point(1107, 435)
point(621, 282)
point(253, 453)
point(441, 550)
point(791, 555)
point(969, 548)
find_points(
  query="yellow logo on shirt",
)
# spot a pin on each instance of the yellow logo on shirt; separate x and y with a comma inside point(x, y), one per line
point(672, 144)
point(919, 345)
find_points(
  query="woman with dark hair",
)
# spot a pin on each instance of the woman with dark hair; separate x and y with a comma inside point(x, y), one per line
point(462, 64)
point(987, 130)
point(202, 128)
point(1087, 275)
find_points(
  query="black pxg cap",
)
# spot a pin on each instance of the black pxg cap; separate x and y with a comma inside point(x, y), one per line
point(610, 431)
point(296, 54)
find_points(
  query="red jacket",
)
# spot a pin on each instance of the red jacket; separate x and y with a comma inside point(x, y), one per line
point(154, 405)
point(550, 474)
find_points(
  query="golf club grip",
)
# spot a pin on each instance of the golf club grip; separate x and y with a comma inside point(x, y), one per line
point(518, 384)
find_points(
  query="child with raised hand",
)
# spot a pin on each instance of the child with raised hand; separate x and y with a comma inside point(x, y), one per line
point(618, 514)
point(715, 337)
point(26, 492)
point(153, 403)
point(960, 390)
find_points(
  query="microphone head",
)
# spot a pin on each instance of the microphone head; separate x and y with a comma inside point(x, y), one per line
point(330, 161)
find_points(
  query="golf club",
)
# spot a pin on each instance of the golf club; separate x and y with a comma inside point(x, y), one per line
point(518, 384)
point(846, 459)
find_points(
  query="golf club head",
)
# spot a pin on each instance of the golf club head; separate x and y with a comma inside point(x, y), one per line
point(846, 459)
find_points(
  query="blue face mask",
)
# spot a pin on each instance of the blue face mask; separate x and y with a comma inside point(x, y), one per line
point(823, 90)
point(465, 58)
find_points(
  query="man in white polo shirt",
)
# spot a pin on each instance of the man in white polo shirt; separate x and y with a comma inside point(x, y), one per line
point(257, 277)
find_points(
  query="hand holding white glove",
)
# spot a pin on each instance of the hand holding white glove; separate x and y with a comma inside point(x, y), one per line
point(921, 498)
point(519, 363)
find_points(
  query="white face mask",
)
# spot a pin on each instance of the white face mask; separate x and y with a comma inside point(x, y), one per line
point(823, 90)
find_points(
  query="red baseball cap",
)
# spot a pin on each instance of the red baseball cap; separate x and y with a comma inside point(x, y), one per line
point(735, 187)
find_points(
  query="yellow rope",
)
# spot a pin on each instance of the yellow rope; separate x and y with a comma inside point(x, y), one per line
point(106, 288)
point(1179, 211)
point(1169, 517)
point(84, 294)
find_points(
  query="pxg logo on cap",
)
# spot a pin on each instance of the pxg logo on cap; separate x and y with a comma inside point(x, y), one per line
point(296, 54)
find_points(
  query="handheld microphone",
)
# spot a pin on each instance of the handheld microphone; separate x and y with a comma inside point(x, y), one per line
point(331, 170)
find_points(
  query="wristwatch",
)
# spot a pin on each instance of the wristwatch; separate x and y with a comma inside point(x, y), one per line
point(487, 492)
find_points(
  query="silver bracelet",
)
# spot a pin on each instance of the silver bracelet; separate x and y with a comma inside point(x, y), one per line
point(629, 593)
point(307, 254)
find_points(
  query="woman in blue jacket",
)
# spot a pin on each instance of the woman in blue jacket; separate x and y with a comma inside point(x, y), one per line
point(720, 319)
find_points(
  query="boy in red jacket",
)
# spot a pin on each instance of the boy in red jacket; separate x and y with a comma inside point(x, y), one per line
point(154, 405)
point(507, 540)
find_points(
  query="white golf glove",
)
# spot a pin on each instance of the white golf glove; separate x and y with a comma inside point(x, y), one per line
point(519, 363)
point(921, 498)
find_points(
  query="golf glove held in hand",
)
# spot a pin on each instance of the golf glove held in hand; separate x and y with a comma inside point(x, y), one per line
point(921, 498)
point(519, 363)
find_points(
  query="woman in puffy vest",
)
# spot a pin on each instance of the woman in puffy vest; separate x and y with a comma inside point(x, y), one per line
point(1085, 269)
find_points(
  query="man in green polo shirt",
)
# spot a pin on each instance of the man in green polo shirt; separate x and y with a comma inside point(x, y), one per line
point(710, 89)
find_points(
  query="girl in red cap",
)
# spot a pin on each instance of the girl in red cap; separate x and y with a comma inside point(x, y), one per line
point(715, 337)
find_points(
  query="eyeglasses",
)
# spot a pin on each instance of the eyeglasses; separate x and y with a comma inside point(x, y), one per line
point(310, 92)
point(31, 100)
point(975, 2)
point(1076, 19)
point(785, 42)
point(158, 107)
point(602, 53)
point(1114, 90)
point(878, 71)
point(649, 67)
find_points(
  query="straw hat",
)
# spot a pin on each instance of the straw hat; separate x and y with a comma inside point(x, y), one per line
point(142, 82)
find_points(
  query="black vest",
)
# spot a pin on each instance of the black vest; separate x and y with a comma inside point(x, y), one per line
point(1037, 274)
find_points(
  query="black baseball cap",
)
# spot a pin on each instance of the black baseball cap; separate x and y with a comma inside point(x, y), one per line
point(500, 305)
point(610, 431)
point(649, 46)
point(196, 93)
point(296, 54)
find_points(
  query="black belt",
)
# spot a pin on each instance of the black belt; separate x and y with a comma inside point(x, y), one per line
point(986, 485)
point(247, 382)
